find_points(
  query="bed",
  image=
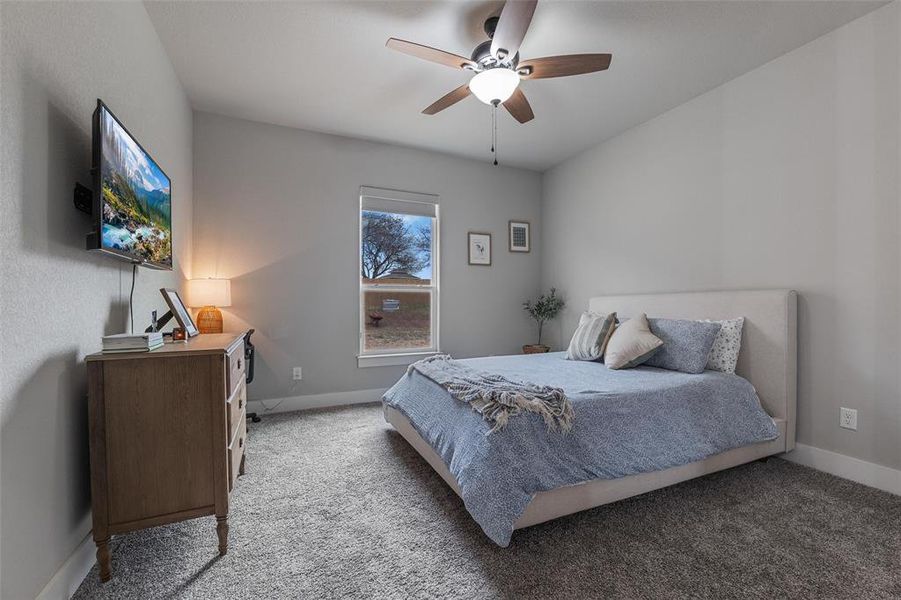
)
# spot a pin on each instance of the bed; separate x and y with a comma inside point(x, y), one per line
point(635, 431)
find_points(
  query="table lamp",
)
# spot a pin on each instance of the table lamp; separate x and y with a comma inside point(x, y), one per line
point(209, 294)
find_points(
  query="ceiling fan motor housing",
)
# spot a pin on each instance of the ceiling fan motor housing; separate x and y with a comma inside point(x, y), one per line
point(483, 57)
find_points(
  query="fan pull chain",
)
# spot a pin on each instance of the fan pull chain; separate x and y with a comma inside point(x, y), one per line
point(493, 114)
point(494, 133)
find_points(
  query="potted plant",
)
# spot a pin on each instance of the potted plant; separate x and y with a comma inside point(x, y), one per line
point(542, 310)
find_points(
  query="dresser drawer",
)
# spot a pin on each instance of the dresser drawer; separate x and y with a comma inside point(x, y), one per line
point(236, 451)
point(236, 407)
point(235, 368)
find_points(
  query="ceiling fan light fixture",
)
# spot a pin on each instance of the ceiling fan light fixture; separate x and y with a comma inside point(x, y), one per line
point(494, 85)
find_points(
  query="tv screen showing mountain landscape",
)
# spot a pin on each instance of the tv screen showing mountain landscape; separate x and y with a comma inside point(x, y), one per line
point(136, 197)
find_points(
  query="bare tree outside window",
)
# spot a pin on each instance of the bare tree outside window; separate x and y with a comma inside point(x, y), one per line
point(392, 243)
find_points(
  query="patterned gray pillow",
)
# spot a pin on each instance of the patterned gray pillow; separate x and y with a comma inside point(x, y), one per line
point(686, 344)
point(591, 336)
point(724, 353)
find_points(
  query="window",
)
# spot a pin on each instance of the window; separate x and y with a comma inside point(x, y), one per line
point(398, 276)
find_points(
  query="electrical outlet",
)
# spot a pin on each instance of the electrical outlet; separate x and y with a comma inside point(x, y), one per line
point(298, 373)
point(848, 418)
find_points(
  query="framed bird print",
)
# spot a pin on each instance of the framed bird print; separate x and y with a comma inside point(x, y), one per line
point(479, 248)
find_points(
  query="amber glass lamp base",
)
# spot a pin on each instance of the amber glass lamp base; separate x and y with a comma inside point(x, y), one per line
point(209, 320)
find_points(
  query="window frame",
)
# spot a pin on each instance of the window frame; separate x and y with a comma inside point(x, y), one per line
point(398, 356)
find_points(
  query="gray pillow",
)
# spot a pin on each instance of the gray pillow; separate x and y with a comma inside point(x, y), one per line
point(686, 344)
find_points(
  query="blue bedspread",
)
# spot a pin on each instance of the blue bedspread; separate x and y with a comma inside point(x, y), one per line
point(626, 422)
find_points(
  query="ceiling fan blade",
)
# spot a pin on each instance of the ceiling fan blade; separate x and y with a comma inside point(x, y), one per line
point(447, 100)
point(512, 27)
point(562, 66)
point(518, 106)
point(428, 53)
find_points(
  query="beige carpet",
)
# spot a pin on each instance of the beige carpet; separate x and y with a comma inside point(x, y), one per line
point(335, 505)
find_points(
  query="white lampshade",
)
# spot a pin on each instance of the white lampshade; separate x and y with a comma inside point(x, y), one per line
point(494, 85)
point(209, 292)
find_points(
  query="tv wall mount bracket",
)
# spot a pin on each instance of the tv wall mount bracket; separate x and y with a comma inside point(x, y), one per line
point(83, 197)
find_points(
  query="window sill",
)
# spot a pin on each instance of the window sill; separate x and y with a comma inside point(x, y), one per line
point(391, 360)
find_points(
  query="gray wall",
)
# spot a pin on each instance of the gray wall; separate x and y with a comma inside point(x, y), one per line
point(277, 212)
point(787, 176)
point(57, 299)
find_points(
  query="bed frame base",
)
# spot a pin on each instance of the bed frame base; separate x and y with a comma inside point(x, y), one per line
point(549, 505)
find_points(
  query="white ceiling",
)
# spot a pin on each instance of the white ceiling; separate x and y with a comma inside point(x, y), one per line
point(324, 66)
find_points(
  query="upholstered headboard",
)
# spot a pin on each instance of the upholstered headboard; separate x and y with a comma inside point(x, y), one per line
point(769, 344)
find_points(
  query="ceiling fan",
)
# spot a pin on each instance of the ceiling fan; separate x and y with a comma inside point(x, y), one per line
point(496, 64)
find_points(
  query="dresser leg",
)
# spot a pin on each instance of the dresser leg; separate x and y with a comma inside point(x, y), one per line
point(241, 468)
point(103, 559)
point(222, 532)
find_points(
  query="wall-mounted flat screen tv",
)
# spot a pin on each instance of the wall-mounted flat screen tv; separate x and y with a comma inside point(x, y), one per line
point(132, 196)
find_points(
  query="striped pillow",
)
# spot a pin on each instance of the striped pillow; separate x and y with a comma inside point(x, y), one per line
point(591, 336)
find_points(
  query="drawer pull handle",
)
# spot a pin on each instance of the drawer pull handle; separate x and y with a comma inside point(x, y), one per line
point(239, 363)
point(240, 403)
point(240, 442)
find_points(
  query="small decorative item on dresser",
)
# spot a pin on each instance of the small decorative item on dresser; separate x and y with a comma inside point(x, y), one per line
point(520, 238)
point(179, 335)
point(479, 248)
point(547, 307)
point(209, 294)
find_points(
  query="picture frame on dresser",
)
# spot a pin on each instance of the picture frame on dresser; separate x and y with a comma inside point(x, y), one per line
point(180, 311)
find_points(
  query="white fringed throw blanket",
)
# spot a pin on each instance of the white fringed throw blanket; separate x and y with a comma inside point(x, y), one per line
point(494, 396)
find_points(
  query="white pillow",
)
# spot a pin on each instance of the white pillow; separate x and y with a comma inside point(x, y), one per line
point(724, 353)
point(591, 336)
point(631, 344)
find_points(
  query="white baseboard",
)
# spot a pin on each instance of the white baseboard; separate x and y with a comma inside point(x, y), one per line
point(278, 405)
point(861, 471)
point(66, 581)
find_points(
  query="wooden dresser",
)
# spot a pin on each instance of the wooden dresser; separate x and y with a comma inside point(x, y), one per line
point(167, 435)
